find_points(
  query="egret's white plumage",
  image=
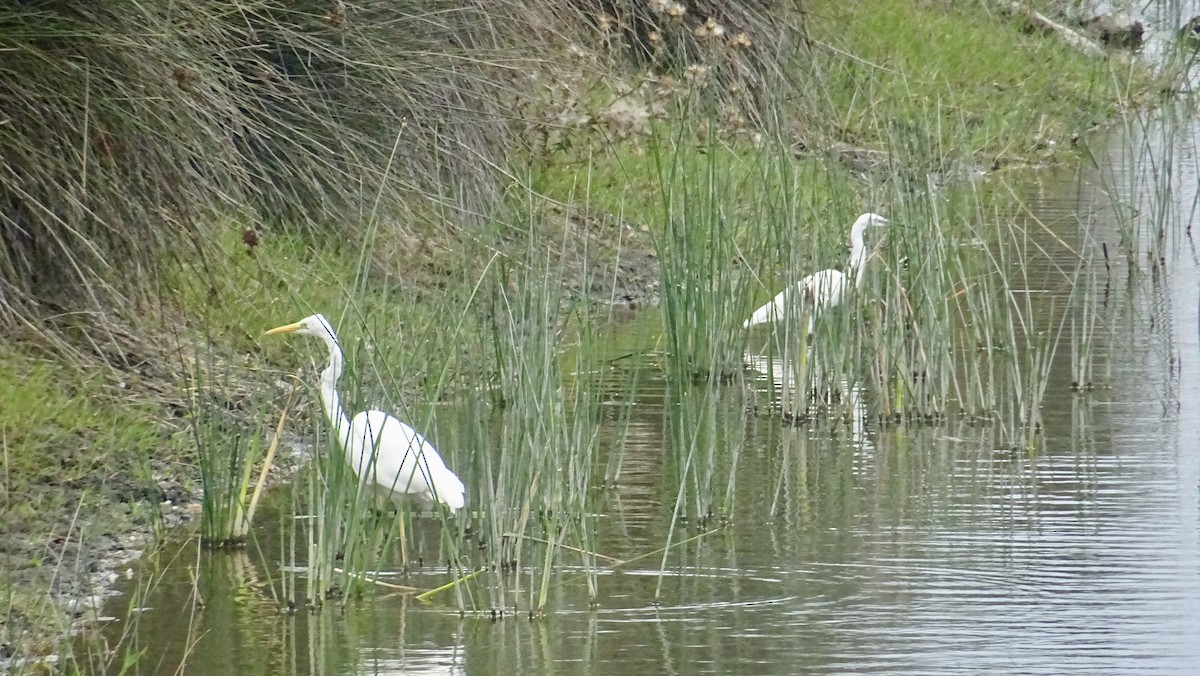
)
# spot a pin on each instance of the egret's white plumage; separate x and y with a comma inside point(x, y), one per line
point(382, 450)
point(825, 289)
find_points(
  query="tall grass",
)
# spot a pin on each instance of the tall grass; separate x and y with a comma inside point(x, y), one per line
point(134, 130)
point(537, 502)
point(228, 432)
point(946, 318)
point(698, 245)
point(127, 132)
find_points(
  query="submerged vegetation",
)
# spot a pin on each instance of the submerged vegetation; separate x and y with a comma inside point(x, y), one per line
point(178, 179)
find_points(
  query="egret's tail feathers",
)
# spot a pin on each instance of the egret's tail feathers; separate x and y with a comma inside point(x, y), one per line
point(450, 491)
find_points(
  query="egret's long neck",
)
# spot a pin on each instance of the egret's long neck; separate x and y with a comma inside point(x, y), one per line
point(329, 394)
point(858, 255)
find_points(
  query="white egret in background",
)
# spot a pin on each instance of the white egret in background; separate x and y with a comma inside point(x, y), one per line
point(825, 289)
point(381, 449)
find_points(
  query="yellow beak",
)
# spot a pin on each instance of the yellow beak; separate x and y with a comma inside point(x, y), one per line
point(290, 328)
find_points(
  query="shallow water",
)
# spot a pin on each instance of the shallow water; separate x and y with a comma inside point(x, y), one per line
point(854, 548)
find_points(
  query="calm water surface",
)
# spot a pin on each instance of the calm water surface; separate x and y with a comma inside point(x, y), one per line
point(852, 548)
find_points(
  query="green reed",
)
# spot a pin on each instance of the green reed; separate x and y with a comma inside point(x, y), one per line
point(228, 436)
point(698, 240)
point(538, 463)
point(1090, 317)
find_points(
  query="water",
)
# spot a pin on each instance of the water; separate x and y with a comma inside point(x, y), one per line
point(852, 549)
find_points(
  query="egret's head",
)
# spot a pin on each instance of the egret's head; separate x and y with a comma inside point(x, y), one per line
point(869, 219)
point(315, 325)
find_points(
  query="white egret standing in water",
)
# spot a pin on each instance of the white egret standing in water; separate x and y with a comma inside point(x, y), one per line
point(825, 289)
point(382, 450)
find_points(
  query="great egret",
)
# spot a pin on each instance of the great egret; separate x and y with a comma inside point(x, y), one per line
point(381, 449)
point(825, 289)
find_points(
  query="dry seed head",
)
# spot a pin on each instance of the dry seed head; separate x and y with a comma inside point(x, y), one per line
point(697, 73)
point(250, 239)
point(740, 42)
point(654, 37)
point(336, 17)
point(676, 10)
point(604, 23)
point(658, 6)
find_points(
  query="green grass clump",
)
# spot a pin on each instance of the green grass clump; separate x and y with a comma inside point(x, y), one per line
point(61, 427)
point(975, 80)
point(78, 464)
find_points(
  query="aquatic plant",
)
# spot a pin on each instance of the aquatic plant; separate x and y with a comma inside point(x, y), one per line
point(539, 473)
point(228, 439)
point(698, 239)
